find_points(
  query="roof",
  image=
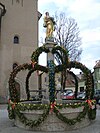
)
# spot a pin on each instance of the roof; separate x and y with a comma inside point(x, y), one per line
point(70, 83)
point(97, 64)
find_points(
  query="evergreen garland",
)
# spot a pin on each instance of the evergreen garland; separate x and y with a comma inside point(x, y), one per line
point(28, 122)
point(37, 52)
point(14, 95)
point(62, 53)
point(36, 67)
point(80, 116)
point(15, 108)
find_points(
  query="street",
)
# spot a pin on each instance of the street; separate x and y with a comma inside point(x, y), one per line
point(7, 126)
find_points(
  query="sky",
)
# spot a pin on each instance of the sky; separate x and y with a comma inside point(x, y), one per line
point(87, 15)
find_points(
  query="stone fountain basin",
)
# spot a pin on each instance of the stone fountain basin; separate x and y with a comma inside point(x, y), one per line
point(52, 123)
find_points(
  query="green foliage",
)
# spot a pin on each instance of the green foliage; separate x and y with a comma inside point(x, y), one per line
point(58, 50)
point(11, 113)
point(28, 122)
point(36, 67)
point(37, 52)
point(14, 94)
point(80, 116)
point(21, 107)
point(92, 114)
point(15, 108)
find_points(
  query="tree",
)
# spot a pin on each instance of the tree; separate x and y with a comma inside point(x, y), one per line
point(67, 36)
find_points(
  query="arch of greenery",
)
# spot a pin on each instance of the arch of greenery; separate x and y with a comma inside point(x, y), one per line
point(65, 65)
point(33, 67)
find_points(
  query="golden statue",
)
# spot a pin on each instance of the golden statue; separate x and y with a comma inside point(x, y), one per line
point(49, 25)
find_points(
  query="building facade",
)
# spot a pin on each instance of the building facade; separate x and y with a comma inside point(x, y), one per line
point(18, 39)
point(97, 75)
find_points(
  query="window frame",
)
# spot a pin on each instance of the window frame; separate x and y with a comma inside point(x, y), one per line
point(16, 39)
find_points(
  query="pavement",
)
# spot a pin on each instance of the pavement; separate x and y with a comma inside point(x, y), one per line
point(7, 126)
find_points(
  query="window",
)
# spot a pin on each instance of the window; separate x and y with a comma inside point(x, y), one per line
point(81, 89)
point(16, 40)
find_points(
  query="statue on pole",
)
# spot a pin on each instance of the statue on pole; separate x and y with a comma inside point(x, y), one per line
point(49, 24)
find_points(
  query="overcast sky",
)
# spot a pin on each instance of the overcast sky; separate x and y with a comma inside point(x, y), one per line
point(87, 15)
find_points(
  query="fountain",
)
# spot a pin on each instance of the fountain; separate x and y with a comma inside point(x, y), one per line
point(50, 114)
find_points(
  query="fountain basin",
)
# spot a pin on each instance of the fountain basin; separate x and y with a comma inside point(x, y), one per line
point(52, 122)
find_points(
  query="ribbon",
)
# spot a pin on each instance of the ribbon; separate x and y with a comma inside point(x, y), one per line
point(33, 64)
point(89, 103)
point(12, 104)
point(52, 106)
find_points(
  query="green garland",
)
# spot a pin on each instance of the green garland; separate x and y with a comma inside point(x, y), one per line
point(63, 52)
point(14, 95)
point(89, 78)
point(36, 67)
point(80, 116)
point(28, 122)
point(71, 105)
point(92, 114)
point(11, 111)
point(37, 52)
point(16, 110)
point(88, 75)
point(34, 57)
point(22, 107)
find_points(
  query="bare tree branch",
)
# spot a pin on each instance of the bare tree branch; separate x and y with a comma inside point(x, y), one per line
point(67, 35)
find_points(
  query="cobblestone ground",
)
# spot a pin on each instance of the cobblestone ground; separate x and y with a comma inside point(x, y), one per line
point(7, 126)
